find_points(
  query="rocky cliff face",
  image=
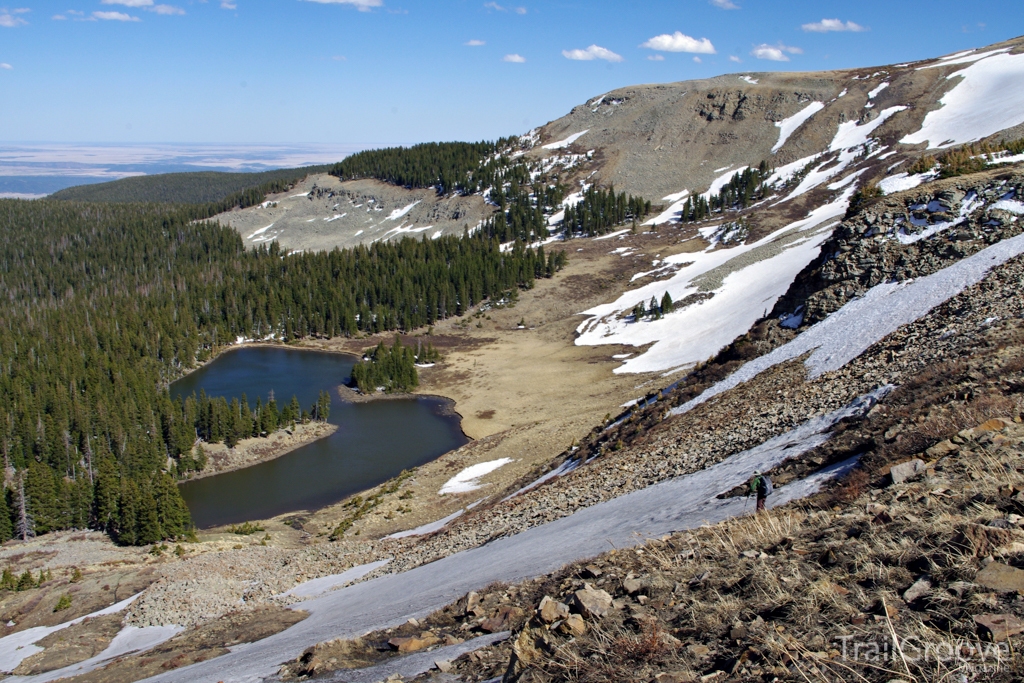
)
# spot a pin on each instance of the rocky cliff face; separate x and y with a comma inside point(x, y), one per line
point(904, 236)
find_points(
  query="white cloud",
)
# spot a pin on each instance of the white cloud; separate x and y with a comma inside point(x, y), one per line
point(656, 58)
point(340, 58)
point(734, 58)
point(361, 5)
point(5, 66)
point(475, 43)
point(11, 19)
point(725, 4)
point(591, 53)
point(698, 59)
point(679, 42)
point(167, 9)
point(775, 53)
point(58, 17)
point(227, 4)
point(128, 3)
point(514, 58)
point(826, 25)
point(114, 16)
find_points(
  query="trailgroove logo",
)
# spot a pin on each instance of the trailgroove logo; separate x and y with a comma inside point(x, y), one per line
point(965, 655)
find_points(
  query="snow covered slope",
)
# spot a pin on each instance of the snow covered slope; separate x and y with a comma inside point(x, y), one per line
point(873, 124)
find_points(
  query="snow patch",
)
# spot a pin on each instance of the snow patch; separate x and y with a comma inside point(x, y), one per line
point(905, 181)
point(398, 213)
point(19, 646)
point(260, 231)
point(789, 125)
point(613, 234)
point(469, 479)
point(874, 93)
point(1011, 205)
point(428, 528)
point(562, 144)
point(308, 589)
point(963, 58)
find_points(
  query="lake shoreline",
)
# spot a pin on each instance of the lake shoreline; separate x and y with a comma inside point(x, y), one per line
point(360, 437)
point(250, 452)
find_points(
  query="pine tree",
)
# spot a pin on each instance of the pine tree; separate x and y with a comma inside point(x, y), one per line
point(667, 305)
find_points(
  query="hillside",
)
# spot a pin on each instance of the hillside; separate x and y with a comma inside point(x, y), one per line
point(201, 187)
point(852, 326)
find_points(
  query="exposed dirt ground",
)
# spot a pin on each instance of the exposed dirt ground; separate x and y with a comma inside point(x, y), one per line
point(525, 393)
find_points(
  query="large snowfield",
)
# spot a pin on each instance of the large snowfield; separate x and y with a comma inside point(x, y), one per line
point(992, 81)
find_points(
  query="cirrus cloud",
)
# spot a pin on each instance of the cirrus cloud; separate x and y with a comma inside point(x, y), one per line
point(514, 58)
point(474, 43)
point(775, 53)
point(679, 42)
point(5, 66)
point(725, 4)
point(826, 25)
point(498, 8)
point(361, 5)
point(591, 53)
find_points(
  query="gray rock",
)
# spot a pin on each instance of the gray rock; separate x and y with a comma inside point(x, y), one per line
point(593, 603)
point(906, 470)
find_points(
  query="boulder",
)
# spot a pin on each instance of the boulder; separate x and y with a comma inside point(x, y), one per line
point(573, 625)
point(998, 627)
point(502, 620)
point(632, 585)
point(1000, 577)
point(551, 610)
point(473, 604)
point(996, 424)
point(591, 603)
point(413, 643)
point(942, 449)
point(905, 470)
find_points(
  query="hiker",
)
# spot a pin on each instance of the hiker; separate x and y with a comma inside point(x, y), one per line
point(761, 486)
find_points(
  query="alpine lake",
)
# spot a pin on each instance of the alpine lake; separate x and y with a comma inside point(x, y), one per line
point(374, 442)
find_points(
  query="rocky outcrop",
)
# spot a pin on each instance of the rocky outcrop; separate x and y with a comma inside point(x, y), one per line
point(904, 236)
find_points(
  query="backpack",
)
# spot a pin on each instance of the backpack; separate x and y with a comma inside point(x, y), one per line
point(764, 487)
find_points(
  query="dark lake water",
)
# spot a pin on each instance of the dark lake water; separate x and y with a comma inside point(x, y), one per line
point(374, 441)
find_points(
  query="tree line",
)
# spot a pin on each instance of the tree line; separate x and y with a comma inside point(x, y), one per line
point(448, 166)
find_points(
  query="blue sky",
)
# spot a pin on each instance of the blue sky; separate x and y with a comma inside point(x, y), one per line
point(405, 71)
